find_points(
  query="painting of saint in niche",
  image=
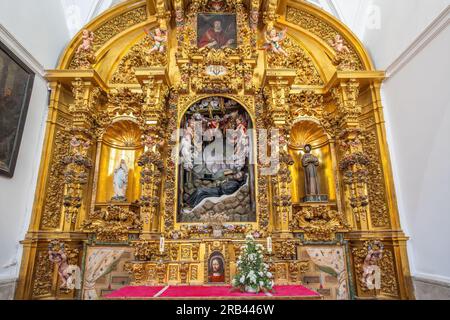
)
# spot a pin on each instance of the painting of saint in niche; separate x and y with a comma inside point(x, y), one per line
point(16, 83)
point(216, 31)
point(216, 167)
point(216, 268)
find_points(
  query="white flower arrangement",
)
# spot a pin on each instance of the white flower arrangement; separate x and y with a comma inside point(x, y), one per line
point(252, 273)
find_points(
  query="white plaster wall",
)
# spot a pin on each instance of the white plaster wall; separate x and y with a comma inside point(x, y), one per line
point(40, 26)
point(34, 30)
point(417, 109)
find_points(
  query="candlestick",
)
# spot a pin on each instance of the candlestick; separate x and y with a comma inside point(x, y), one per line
point(161, 244)
point(269, 244)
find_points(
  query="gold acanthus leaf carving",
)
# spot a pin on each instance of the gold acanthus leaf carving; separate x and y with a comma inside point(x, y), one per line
point(43, 276)
point(123, 101)
point(118, 24)
point(113, 223)
point(307, 73)
point(138, 272)
point(139, 56)
point(145, 250)
point(169, 183)
point(51, 215)
point(346, 61)
point(376, 187)
point(319, 223)
point(306, 104)
point(285, 250)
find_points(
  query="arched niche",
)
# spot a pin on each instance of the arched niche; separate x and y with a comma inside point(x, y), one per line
point(218, 181)
point(310, 132)
point(121, 140)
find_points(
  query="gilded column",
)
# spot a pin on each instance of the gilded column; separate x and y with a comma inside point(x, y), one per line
point(353, 161)
point(154, 118)
point(78, 162)
point(278, 84)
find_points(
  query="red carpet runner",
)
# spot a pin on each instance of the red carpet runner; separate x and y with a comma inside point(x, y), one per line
point(212, 292)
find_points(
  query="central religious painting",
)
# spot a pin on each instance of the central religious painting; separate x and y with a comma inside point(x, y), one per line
point(216, 31)
point(216, 167)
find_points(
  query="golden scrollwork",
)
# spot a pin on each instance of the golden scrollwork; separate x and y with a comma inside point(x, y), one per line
point(307, 104)
point(83, 60)
point(298, 59)
point(349, 61)
point(173, 253)
point(54, 197)
point(285, 250)
point(173, 272)
point(376, 186)
point(161, 270)
point(195, 251)
point(118, 24)
point(194, 272)
point(184, 270)
point(139, 56)
point(319, 223)
point(42, 284)
point(145, 250)
point(112, 223)
point(124, 101)
point(138, 271)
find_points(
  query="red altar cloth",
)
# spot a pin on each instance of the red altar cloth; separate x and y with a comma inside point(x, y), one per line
point(212, 292)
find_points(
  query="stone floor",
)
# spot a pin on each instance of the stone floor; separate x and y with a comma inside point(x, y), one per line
point(431, 290)
point(7, 288)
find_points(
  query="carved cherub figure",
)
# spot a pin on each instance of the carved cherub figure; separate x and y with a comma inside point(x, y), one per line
point(273, 39)
point(88, 40)
point(338, 44)
point(179, 17)
point(69, 274)
point(79, 147)
point(254, 17)
point(160, 38)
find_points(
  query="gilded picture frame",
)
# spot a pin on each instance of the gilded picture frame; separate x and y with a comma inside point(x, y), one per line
point(16, 85)
point(216, 30)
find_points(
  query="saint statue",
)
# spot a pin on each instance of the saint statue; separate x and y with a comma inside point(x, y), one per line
point(216, 37)
point(310, 164)
point(120, 181)
point(187, 156)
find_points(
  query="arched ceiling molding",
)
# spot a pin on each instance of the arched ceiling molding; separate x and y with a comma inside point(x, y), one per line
point(115, 48)
point(332, 22)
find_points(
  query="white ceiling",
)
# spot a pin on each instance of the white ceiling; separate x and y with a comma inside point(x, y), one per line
point(80, 12)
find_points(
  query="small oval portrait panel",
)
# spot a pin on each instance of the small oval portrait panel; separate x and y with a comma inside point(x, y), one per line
point(216, 268)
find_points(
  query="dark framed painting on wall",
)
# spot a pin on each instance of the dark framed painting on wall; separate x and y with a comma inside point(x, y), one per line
point(16, 84)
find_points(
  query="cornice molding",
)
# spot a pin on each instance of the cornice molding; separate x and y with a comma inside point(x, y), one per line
point(16, 47)
point(429, 34)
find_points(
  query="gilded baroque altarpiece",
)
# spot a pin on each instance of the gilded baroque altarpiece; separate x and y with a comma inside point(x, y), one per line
point(137, 75)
